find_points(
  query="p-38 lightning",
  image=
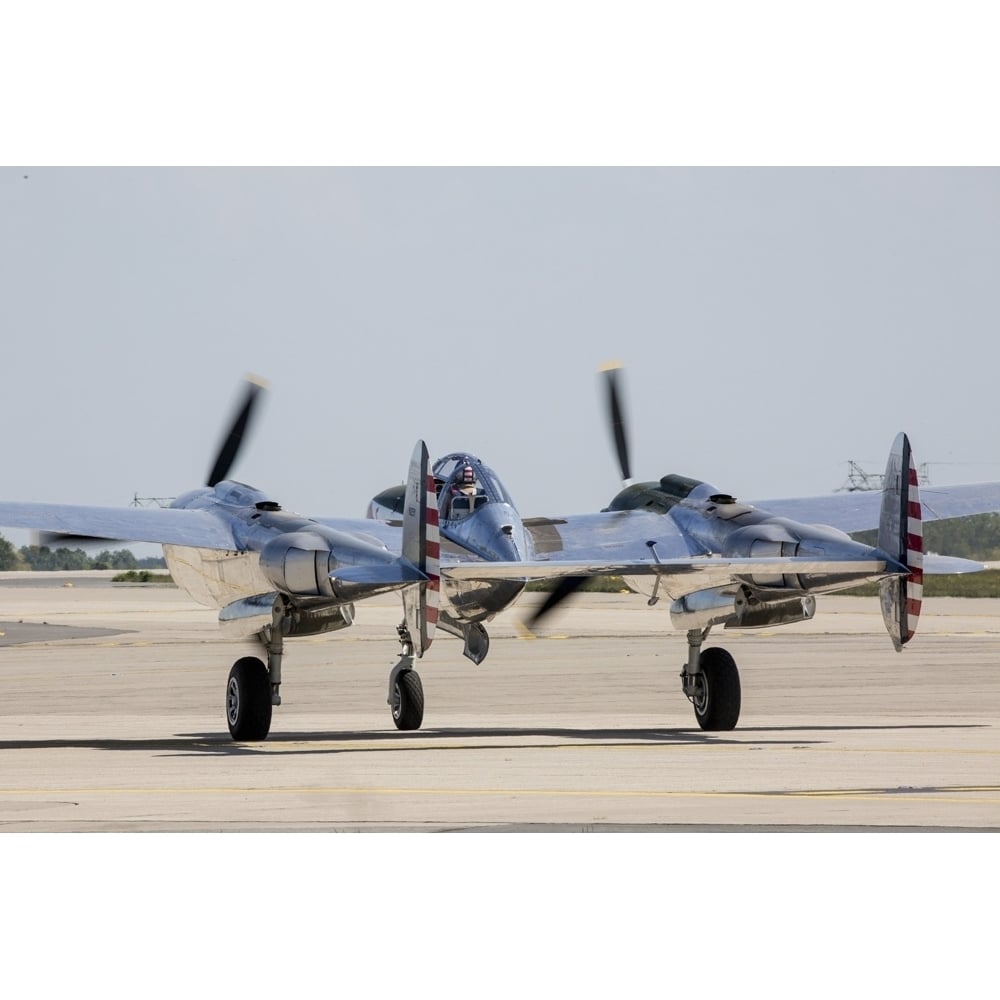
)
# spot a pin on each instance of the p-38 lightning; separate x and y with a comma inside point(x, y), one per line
point(451, 542)
point(275, 574)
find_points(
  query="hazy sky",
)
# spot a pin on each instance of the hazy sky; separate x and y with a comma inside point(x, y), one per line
point(773, 324)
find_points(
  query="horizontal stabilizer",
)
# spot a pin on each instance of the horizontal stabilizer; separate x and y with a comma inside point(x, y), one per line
point(951, 564)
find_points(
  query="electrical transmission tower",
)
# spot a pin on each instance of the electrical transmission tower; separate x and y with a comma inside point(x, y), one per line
point(138, 501)
point(859, 480)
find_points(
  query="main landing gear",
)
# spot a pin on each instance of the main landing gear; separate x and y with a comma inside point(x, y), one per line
point(253, 688)
point(248, 700)
point(712, 683)
point(406, 693)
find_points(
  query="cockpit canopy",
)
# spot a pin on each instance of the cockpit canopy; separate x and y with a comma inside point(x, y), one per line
point(457, 498)
point(483, 486)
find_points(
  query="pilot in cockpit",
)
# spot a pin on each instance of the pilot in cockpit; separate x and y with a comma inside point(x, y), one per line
point(463, 490)
point(465, 484)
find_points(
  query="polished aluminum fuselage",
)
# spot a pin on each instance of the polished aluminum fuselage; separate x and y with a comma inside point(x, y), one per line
point(220, 578)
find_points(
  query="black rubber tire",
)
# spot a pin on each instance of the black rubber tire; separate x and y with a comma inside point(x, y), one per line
point(248, 700)
point(719, 707)
point(408, 700)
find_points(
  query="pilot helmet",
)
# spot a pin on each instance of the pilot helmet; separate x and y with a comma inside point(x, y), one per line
point(468, 476)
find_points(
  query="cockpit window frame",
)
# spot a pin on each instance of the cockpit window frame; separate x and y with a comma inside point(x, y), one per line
point(446, 470)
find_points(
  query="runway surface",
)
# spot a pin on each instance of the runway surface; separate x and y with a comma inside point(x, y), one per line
point(584, 729)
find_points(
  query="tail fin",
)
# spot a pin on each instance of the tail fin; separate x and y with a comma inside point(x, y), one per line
point(422, 547)
point(900, 535)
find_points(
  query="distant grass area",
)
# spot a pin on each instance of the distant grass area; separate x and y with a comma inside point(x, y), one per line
point(985, 584)
point(142, 576)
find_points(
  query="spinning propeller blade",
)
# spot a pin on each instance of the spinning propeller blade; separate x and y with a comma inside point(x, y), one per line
point(569, 585)
point(227, 453)
point(565, 587)
point(230, 446)
point(618, 430)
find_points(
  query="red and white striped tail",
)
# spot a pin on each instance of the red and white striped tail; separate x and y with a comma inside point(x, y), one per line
point(432, 562)
point(914, 583)
point(422, 547)
point(901, 535)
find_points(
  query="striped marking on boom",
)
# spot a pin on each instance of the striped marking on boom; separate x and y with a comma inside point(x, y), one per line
point(432, 560)
point(914, 586)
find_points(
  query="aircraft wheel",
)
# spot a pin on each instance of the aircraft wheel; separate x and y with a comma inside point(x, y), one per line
point(407, 700)
point(717, 702)
point(248, 700)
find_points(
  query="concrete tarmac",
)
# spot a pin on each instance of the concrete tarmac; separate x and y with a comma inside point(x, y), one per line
point(582, 729)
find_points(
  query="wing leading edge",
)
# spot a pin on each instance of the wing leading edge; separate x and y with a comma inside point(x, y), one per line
point(171, 526)
point(859, 511)
point(691, 574)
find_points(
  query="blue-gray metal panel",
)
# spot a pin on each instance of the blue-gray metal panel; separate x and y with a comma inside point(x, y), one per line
point(613, 535)
point(859, 511)
point(389, 535)
point(131, 524)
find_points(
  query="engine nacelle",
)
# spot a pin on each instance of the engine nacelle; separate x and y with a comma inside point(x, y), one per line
point(388, 505)
point(299, 562)
point(738, 608)
point(324, 563)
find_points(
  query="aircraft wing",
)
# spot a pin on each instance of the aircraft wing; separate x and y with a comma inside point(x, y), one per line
point(389, 535)
point(859, 511)
point(172, 526)
point(621, 535)
point(678, 576)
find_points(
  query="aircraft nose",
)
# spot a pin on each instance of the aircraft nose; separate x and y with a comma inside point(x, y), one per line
point(506, 539)
point(496, 531)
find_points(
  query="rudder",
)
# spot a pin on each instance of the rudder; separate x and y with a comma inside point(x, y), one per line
point(900, 535)
point(421, 547)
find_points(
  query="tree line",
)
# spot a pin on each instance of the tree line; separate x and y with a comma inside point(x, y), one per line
point(42, 557)
point(975, 537)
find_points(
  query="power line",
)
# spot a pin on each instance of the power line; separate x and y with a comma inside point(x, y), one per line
point(860, 481)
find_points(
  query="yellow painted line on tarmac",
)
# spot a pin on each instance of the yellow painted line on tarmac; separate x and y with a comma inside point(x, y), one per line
point(861, 795)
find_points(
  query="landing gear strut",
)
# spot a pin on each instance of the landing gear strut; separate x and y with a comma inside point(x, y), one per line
point(254, 688)
point(406, 693)
point(712, 684)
